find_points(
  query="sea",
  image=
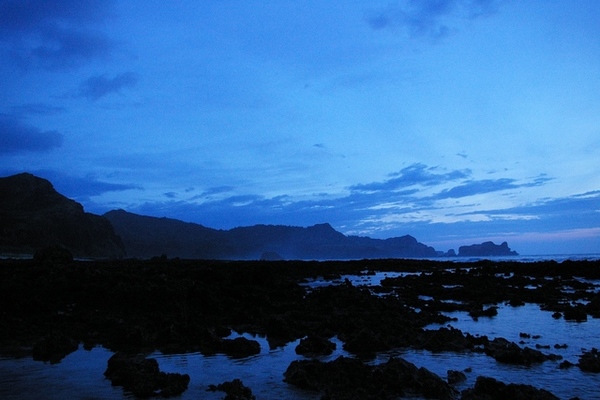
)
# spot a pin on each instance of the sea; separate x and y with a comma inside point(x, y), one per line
point(80, 374)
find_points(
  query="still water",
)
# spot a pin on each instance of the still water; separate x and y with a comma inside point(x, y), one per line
point(80, 375)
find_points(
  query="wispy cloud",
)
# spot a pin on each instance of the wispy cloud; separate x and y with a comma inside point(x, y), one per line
point(19, 137)
point(429, 18)
point(37, 109)
point(99, 86)
point(416, 174)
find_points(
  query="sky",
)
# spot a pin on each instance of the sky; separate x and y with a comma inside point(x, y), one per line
point(454, 121)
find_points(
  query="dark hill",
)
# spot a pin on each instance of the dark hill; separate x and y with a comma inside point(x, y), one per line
point(34, 215)
point(150, 236)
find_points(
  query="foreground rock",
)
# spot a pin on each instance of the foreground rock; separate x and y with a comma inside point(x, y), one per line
point(491, 389)
point(235, 390)
point(349, 378)
point(590, 361)
point(141, 376)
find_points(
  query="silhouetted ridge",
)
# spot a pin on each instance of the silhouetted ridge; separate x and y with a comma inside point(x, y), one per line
point(149, 236)
point(34, 215)
point(486, 249)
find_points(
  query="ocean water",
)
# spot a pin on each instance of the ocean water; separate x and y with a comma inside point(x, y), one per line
point(80, 374)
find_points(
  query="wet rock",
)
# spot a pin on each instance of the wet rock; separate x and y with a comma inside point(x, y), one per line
point(479, 311)
point(577, 313)
point(590, 361)
point(142, 377)
point(510, 353)
point(366, 343)
point(566, 364)
point(240, 347)
point(348, 378)
point(444, 339)
point(315, 346)
point(491, 389)
point(455, 377)
point(54, 347)
point(234, 390)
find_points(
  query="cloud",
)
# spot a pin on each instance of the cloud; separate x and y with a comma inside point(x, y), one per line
point(19, 137)
point(100, 85)
point(429, 18)
point(54, 34)
point(415, 174)
point(37, 109)
point(81, 188)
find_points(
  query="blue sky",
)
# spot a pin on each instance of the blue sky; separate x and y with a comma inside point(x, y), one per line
point(455, 121)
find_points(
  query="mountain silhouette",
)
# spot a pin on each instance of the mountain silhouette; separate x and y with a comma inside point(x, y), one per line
point(146, 236)
point(33, 215)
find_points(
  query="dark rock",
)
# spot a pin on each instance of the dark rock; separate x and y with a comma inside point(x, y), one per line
point(556, 315)
point(455, 377)
point(365, 342)
point(240, 347)
point(510, 353)
point(142, 377)
point(53, 254)
point(348, 378)
point(590, 361)
point(566, 364)
point(315, 346)
point(444, 339)
point(235, 390)
point(577, 313)
point(54, 347)
point(491, 389)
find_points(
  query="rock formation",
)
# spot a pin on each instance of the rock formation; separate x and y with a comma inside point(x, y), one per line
point(486, 249)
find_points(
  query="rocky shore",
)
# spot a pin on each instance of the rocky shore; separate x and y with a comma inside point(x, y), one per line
point(133, 307)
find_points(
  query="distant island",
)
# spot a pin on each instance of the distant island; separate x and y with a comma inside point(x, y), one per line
point(33, 215)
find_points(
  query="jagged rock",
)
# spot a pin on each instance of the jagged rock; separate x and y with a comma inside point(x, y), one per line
point(234, 390)
point(142, 377)
point(492, 389)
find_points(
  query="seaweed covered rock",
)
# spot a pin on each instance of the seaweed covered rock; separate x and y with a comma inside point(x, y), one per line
point(142, 377)
point(492, 389)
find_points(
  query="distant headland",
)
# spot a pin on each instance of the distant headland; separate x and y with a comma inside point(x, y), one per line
point(33, 215)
